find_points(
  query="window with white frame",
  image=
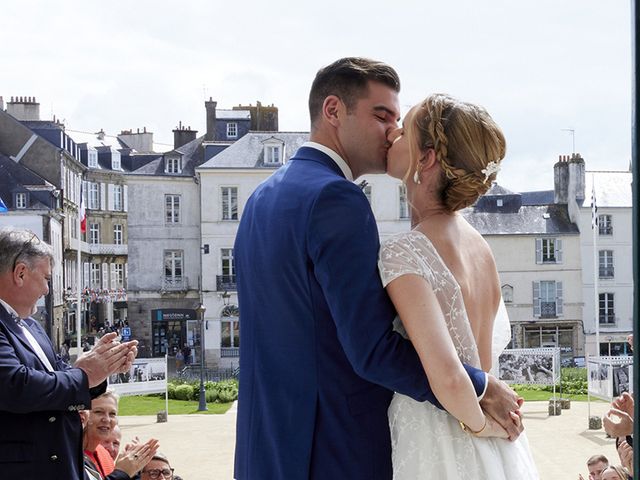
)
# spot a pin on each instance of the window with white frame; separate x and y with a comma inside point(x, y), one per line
point(606, 269)
point(172, 209)
point(272, 154)
point(95, 275)
point(226, 260)
point(92, 158)
point(94, 233)
point(507, 293)
point(548, 250)
point(230, 327)
point(117, 234)
point(173, 265)
point(94, 196)
point(173, 165)
point(604, 225)
point(232, 130)
point(606, 309)
point(21, 200)
point(404, 206)
point(115, 161)
point(547, 299)
point(117, 198)
point(229, 203)
point(118, 274)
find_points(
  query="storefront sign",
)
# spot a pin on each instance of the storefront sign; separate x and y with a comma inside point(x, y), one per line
point(173, 314)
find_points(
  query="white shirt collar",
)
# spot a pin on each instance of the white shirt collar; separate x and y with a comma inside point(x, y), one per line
point(9, 308)
point(342, 165)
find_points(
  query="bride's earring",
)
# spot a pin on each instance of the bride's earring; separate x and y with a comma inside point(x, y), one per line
point(416, 177)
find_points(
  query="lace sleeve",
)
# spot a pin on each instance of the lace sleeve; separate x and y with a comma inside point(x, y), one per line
point(401, 255)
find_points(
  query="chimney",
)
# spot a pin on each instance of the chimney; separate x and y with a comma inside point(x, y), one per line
point(24, 108)
point(1, 103)
point(576, 177)
point(263, 119)
point(210, 106)
point(139, 141)
point(183, 135)
point(561, 180)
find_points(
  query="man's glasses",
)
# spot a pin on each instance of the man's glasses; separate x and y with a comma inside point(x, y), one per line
point(24, 248)
point(155, 473)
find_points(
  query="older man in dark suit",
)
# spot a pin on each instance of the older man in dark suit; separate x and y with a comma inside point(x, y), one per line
point(40, 395)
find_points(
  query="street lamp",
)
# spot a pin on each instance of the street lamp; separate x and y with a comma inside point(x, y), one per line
point(202, 405)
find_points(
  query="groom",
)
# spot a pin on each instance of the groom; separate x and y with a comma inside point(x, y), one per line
point(319, 356)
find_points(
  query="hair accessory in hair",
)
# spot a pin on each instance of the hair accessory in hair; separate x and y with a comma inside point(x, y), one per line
point(492, 167)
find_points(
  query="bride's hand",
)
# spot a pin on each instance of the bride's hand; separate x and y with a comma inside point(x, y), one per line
point(493, 429)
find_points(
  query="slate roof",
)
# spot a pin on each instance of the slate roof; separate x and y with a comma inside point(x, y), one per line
point(528, 220)
point(192, 156)
point(542, 197)
point(15, 178)
point(248, 151)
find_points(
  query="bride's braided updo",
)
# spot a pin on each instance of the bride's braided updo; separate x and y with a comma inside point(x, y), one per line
point(468, 146)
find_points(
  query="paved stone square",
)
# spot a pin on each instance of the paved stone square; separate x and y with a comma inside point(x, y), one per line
point(200, 447)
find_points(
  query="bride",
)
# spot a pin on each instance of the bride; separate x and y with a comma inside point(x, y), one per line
point(442, 279)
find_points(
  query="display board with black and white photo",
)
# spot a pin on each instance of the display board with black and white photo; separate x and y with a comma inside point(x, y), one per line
point(608, 377)
point(539, 366)
point(146, 375)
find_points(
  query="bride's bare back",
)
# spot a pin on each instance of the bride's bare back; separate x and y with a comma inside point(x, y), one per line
point(470, 260)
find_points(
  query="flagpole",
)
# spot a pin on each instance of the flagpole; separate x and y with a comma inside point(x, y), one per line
point(594, 226)
point(79, 276)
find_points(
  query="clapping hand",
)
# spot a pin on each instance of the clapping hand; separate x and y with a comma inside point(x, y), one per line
point(136, 456)
point(617, 423)
point(106, 358)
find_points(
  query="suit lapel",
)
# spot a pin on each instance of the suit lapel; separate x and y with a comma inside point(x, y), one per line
point(42, 339)
point(14, 329)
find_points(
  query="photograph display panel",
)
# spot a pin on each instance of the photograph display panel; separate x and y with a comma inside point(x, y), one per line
point(146, 375)
point(608, 377)
point(535, 366)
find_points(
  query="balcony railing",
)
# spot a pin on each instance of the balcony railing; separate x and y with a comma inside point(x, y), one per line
point(175, 284)
point(226, 282)
point(548, 310)
point(605, 230)
point(230, 352)
point(107, 249)
point(608, 319)
point(606, 272)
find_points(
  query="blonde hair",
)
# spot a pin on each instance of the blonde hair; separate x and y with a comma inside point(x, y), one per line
point(620, 471)
point(467, 143)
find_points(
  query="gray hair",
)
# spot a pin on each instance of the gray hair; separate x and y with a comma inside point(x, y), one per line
point(21, 245)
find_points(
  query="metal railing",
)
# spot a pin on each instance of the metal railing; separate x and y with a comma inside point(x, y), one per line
point(226, 282)
point(192, 372)
point(175, 284)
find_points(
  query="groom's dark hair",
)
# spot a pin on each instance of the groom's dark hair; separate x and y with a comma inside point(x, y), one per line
point(347, 79)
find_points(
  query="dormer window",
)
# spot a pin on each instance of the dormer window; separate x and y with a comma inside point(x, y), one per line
point(173, 165)
point(272, 154)
point(115, 161)
point(232, 130)
point(92, 159)
point(21, 200)
point(499, 202)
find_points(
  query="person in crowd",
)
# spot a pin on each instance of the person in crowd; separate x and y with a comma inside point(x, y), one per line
point(625, 452)
point(596, 465)
point(158, 468)
point(40, 394)
point(99, 424)
point(112, 442)
point(615, 472)
point(618, 421)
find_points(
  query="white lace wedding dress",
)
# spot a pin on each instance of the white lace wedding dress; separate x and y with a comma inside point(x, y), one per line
point(427, 442)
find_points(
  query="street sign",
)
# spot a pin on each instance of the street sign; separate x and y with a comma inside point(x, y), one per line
point(126, 332)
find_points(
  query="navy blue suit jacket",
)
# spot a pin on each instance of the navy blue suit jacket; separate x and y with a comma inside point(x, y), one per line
point(41, 432)
point(319, 358)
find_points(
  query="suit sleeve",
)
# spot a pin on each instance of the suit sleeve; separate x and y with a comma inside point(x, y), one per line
point(343, 246)
point(24, 389)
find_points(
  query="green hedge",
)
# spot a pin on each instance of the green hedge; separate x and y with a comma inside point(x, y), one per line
point(222, 392)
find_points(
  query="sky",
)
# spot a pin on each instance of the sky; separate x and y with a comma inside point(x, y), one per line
point(540, 67)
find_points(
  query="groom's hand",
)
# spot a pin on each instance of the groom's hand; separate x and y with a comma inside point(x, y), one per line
point(500, 401)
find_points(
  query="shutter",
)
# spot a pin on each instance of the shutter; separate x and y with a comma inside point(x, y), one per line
point(558, 250)
point(125, 279)
point(85, 276)
point(536, 299)
point(125, 198)
point(559, 305)
point(103, 197)
point(85, 194)
point(538, 250)
point(114, 279)
point(111, 196)
point(105, 275)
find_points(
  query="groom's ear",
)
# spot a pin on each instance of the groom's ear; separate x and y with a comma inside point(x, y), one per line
point(331, 109)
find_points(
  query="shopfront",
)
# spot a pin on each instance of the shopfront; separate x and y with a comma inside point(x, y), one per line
point(172, 330)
